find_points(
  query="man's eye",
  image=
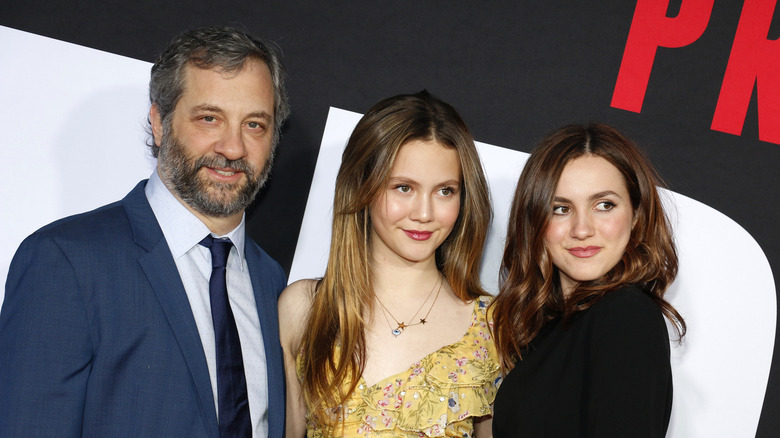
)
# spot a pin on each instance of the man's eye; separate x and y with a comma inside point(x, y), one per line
point(254, 125)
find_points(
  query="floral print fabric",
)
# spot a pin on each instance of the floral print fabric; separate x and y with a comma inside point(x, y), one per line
point(437, 396)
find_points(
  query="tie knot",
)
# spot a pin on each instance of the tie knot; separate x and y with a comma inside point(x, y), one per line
point(220, 249)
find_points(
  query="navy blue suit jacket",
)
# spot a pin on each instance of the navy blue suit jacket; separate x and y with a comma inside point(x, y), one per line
point(97, 338)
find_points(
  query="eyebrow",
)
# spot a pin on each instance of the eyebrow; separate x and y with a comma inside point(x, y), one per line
point(215, 109)
point(592, 197)
point(206, 107)
point(259, 115)
point(403, 179)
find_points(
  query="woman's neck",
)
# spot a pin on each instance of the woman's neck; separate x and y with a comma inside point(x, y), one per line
point(402, 282)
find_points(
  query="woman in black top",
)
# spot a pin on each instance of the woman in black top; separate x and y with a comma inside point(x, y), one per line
point(579, 319)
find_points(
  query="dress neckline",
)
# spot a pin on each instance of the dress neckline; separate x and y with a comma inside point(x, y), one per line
point(362, 384)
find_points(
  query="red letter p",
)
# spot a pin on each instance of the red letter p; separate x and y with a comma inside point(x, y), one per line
point(650, 29)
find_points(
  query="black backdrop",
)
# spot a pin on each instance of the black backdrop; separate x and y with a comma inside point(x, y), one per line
point(515, 69)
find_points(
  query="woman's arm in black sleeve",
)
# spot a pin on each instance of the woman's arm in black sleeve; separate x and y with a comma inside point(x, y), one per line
point(628, 373)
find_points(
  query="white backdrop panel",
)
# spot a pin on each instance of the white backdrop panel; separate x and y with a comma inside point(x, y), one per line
point(71, 131)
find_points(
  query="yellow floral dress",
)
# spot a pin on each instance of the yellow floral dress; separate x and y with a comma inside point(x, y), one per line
point(440, 395)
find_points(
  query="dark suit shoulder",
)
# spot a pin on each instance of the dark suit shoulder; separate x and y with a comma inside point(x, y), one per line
point(272, 271)
point(106, 222)
point(83, 224)
point(258, 251)
point(89, 237)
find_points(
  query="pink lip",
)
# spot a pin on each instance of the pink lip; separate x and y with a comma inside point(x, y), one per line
point(418, 235)
point(583, 253)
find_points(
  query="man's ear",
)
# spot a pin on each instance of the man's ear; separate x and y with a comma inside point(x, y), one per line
point(157, 128)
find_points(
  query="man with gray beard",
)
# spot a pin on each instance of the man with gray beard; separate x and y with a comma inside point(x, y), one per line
point(156, 315)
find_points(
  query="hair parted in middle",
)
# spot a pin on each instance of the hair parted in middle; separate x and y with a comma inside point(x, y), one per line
point(530, 291)
point(345, 295)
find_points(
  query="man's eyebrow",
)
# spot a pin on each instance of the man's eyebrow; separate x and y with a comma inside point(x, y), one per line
point(206, 107)
point(259, 115)
point(215, 109)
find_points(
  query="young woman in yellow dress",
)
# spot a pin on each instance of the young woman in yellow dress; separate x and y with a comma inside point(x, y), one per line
point(394, 339)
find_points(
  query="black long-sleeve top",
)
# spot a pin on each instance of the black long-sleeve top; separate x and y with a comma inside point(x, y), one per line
point(605, 374)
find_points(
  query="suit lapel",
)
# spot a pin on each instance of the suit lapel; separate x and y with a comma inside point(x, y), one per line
point(266, 295)
point(161, 271)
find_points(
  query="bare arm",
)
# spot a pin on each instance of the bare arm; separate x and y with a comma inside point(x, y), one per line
point(294, 304)
point(483, 427)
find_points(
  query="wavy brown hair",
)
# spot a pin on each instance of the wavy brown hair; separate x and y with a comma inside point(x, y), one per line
point(530, 292)
point(344, 296)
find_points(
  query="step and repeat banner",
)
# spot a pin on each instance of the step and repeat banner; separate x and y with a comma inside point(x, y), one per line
point(695, 82)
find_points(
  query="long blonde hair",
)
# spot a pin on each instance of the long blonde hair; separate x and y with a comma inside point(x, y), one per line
point(345, 294)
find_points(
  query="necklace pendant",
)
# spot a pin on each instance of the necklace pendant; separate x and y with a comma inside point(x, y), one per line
point(397, 331)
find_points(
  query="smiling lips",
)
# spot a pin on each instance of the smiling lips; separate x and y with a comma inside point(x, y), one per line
point(224, 172)
point(583, 253)
point(419, 235)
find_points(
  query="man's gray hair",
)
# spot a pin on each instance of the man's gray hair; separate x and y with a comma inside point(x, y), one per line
point(222, 48)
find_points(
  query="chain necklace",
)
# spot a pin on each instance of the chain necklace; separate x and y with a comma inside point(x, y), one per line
point(400, 326)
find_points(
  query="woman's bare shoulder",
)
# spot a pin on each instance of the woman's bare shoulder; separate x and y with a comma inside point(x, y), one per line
point(298, 292)
point(294, 304)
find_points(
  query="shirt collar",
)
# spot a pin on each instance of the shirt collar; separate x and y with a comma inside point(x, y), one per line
point(182, 229)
